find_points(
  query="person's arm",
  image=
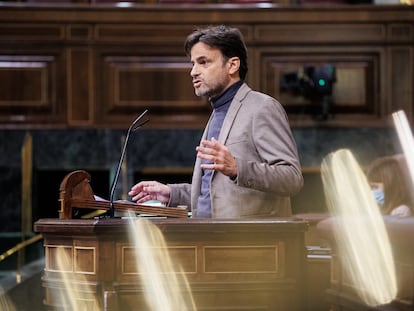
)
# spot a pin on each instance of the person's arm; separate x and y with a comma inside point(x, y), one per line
point(401, 211)
point(180, 194)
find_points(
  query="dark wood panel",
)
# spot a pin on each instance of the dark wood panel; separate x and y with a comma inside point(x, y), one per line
point(79, 32)
point(130, 84)
point(354, 91)
point(80, 86)
point(400, 32)
point(31, 88)
point(33, 31)
point(143, 33)
point(251, 259)
point(184, 255)
point(401, 80)
point(322, 32)
point(193, 15)
point(108, 63)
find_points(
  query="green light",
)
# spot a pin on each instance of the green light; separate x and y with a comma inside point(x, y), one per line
point(321, 82)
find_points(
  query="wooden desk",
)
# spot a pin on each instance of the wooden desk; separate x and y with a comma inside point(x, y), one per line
point(229, 264)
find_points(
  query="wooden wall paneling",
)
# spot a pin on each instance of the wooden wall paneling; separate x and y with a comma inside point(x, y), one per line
point(148, 70)
point(81, 91)
point(355, 92)
point(401, 80)
point(400, 32)
point(32, 74)
point(80, 74)
point(118, 58)
point(143, 34)
point(321, 33)
point(400, 69)
point(253, 77)
point(130, 83)
point(32, 87)
point(31, 32)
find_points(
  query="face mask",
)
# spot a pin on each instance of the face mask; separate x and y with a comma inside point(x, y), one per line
point(379, 196)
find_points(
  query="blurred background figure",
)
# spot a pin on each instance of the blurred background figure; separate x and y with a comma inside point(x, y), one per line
point(391, 185)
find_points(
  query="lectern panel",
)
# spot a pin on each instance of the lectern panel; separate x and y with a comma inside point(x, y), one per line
point(241, 259)
point(85, 260)
point(54, 254)
point(184, 256)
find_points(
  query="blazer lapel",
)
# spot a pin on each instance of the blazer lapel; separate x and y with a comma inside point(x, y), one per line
point(232, 112)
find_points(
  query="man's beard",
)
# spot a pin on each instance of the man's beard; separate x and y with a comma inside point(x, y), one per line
point(209, 92)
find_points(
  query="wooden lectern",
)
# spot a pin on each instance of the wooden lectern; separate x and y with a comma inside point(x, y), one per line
point(249, 265)
point(76, 194)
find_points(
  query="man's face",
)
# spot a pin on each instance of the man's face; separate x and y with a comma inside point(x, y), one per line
point(210, 73)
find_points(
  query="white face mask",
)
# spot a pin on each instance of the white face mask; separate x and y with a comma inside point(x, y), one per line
point(379, 196)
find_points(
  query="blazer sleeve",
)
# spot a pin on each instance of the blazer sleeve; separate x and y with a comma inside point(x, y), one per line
point(277, 168)
point(180, 194)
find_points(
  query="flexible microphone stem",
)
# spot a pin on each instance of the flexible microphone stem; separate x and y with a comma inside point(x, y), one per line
point(133, 127)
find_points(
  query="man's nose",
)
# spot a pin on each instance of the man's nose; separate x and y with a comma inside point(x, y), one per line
point(194, 71)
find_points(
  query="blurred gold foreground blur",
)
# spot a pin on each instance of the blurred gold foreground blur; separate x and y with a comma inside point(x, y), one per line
point(359, 229)
point(161, 277)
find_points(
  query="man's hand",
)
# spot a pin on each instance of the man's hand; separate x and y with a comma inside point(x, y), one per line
point(150, 190)
point(219, 154)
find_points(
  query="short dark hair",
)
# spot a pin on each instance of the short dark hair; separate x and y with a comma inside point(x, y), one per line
point(228, 40)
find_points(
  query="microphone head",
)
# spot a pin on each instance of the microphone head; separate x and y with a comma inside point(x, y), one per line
point(135, 124)
point(138, 125)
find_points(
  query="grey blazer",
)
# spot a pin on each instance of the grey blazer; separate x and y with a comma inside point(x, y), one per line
point(257, 132)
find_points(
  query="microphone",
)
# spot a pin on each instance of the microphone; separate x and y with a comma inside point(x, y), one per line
point(133, 127)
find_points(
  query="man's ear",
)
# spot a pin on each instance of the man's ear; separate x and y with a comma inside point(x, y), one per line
point(234, 65)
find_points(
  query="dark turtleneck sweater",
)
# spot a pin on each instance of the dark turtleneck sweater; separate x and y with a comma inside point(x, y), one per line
point(220, 106)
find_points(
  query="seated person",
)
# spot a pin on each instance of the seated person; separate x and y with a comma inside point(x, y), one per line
point(391, 185)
